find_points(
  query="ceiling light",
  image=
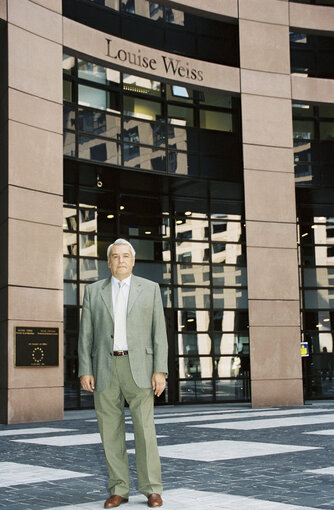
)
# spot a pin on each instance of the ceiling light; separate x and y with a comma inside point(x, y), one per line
point(190, 320)
point(306, 234)
point(179, 222)
point(121, 207)
point(188, 213)
point(110, 216)
point(148, 232)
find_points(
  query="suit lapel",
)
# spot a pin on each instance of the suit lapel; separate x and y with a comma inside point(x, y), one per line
point(107, 297)
point(135, 290)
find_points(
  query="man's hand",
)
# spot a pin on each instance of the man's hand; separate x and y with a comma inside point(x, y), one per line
point(87, 383)
point(158, 383)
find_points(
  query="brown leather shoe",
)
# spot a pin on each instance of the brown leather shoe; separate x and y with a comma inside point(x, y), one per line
point(154, 500)
point(114, 500)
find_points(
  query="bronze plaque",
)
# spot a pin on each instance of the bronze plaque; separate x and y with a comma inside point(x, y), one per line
point(36, 347)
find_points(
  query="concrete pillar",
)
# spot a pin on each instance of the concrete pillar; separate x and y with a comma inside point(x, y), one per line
point(272, 265)
point(32, 215)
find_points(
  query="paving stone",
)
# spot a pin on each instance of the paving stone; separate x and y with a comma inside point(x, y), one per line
point(271, 480)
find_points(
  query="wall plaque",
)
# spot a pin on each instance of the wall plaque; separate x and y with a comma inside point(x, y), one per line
point(36, 347)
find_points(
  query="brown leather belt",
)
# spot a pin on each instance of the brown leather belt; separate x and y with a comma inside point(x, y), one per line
point(120, 353)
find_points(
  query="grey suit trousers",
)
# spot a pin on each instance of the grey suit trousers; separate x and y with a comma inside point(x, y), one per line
point(109, 406)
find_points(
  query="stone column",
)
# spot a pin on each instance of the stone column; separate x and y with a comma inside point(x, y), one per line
point(273, 286)
point(32, 291)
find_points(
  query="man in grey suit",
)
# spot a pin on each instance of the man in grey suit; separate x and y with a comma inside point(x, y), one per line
point(123, 356)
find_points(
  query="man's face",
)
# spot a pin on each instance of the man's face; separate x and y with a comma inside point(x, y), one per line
point(121, 261)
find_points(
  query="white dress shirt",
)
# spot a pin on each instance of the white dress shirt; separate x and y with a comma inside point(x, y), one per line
point(115, 290)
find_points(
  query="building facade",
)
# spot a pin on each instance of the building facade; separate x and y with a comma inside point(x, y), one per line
point(205, 136)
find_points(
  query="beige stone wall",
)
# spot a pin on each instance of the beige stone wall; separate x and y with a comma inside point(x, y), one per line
point(272, 266)
point(35, 188)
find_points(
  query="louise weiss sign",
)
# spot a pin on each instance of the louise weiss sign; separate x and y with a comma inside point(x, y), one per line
point(173, 67)
point(36, 347)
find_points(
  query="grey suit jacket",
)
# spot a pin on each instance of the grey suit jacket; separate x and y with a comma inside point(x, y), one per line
point(145, 327)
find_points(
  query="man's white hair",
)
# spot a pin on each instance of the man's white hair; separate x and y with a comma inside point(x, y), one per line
point(120, 241)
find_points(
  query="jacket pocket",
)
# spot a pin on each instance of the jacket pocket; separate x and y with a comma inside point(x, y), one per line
point(149, 350)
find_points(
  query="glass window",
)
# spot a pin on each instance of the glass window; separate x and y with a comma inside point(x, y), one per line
point(99, 123)
point(195, 390)
point(227, 253)
point(180, 115)
point(157, 272)
point(192, 297)
point(68, 91)
point(192, 320)
point(92, 270)
point(142, 85)
point(195, 367)
point(192, 252)
point(70, 294)
point(191, 229)
point(230, 298)
point(144, 157)
point(226, 231)
point(149, 133)
point(303, 129)
point(97, 149)
point(99, 98)
point(229, 276)
point(318, 277)
point(70, 244)
point(219, 121)
point(215, 99)
point(326, 110)
point(321, 298)
point(135, 225)
point(230, 320)
point(182, 163)
point(70, 268)
point(192, 343)
point(327, 131)
point(191, 274)
point(68, 64)
point(68, 117)
point(70, 220)
point(141, 108)
point(179, 93)
point(232, 389)
point(92, 72)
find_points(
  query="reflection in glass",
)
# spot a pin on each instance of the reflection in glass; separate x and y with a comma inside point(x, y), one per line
point(320, 298)
point(92, 72)
point(192, 297)
point(69, 144)
point(195, 367)
point(149, 133)
point(139, 84)
point(70, 268)
point(70, 294)
point(96, 149)
point(227, 389)
point(68, 64)
point(191, 252)
point(229, 276)
point(70, 221)
point(318, 277)
point(98, 98)
point(93, 269)
point(147, 158)
point(68, 116)
point(193, 320)
point(193, 390)
point(88, 219)
point(193, 343)
point(227, 253)
point(150, 249)
point(99, 123)
point(230, 298)
point(219, 121)
point(191, 274)
point(191, 229)
point(144, 226)
point(157, 272)
point(69, 244)
point(180, 115)
point(141, 108)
